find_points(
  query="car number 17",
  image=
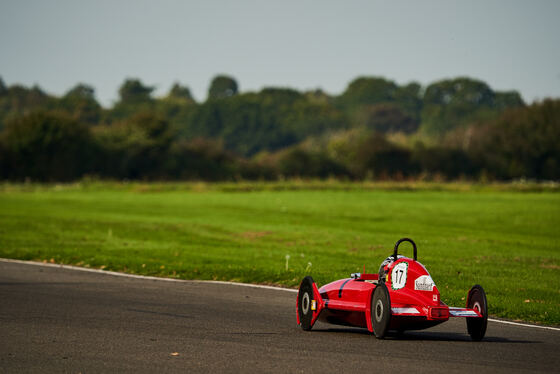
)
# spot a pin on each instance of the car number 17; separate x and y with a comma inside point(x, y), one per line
point(398, 276)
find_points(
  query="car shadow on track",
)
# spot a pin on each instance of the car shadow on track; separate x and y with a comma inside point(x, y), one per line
point(424, 336)
point(450, 336)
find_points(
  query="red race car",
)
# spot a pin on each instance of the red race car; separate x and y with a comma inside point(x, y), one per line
point(401, 297)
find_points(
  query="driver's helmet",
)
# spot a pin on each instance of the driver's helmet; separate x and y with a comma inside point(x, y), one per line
point(389, 260)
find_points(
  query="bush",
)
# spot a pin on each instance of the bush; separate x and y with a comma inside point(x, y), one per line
point(379, 158)
point(452, 163)
point(201, 159)
point(522, 143)
point(297, 162)
point(134, 149)
point(46, 146)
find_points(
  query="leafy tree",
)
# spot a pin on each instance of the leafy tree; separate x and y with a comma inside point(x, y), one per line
point(363, 133)
point(133, 91)
point(222, 86)
point(458, 102)
point(243, 122)
point(3, 88)
point(252, 122)
point(135, 148)
point(389, 118)
point(409, 99)
point(312, 119)
point(47, 146)
point(18, 100)
point(177, 107)
point(367, 91)
point(523, 142)
point(6, 162)
point(135, 97)
point(318, 96)
point(180, 92)
point(81, 104)
point(508, 99)
point(81, 91)
point(206, 121)
point(269, 120)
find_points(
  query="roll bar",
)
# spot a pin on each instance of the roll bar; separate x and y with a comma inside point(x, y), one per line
point(397, 247)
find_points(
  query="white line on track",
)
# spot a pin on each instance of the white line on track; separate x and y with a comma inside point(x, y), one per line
point(117, 274)
point(125, 275)
point(523, 324)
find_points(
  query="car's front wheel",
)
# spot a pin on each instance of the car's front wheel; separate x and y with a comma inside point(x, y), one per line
point(305, 298)
point(380, 310)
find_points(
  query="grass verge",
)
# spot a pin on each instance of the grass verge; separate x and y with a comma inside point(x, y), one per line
point(504, 237)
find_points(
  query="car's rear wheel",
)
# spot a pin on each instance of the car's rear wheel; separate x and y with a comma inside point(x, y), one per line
point(305, 298)
point(380, 310)
point(476, 326)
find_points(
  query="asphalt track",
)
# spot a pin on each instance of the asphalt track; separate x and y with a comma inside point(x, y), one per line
point(66, 321)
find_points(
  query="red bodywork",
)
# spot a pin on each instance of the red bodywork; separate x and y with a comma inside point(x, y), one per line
point(415, 300)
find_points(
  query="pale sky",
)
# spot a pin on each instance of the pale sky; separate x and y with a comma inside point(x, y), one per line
point(298, 44)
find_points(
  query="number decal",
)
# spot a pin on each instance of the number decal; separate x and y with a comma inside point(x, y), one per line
point(398, 275)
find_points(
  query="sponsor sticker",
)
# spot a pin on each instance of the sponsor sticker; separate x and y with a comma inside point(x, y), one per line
point(424, 283)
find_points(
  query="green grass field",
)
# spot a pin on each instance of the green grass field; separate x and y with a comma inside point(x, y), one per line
point(502, 238)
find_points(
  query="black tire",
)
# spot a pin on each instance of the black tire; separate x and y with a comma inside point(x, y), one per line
point(380, 310)
point(476, 326)
point(305, 296)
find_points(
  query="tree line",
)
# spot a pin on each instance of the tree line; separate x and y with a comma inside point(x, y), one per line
point(375, 129)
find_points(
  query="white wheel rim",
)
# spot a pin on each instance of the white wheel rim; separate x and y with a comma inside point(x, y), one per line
point(477, 307)
point(305, 303)
point(378, 310)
